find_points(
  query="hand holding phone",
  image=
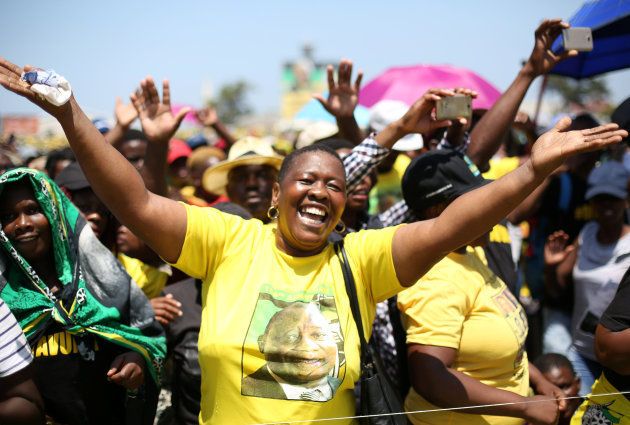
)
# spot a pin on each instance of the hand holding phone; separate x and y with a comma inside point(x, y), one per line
point(453, 107)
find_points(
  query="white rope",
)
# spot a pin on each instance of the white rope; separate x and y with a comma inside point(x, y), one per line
point(446, 409)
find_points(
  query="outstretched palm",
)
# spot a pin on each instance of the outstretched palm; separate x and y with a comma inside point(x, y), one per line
point(158, 122)
point(343, 96)
point(553, 147)
point(11, 79)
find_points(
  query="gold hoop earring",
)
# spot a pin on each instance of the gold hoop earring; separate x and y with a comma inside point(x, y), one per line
point(273, 212)
point(340, 227)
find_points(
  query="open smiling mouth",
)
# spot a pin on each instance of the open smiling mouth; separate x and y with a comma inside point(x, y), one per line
point(312, 215)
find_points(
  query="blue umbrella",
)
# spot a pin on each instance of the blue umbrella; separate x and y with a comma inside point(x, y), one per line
point(610, 22)
point(314, 111)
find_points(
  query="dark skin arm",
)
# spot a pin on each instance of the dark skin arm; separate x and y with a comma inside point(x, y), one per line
point(430, 364)
point(20, 401)
point(343, 97)
point(530, 205)
point(613, 349)
point(488, 134)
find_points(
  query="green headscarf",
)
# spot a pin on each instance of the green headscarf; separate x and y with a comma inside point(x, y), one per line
point(97, 297)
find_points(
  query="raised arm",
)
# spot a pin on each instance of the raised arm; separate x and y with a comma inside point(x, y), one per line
point(113, 178)
point(343, 97)
point(487, 136)
point(418, 246)
point(157, 124)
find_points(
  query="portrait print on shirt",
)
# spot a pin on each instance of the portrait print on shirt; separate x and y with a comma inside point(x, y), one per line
point(516, 319)
point(293, 349)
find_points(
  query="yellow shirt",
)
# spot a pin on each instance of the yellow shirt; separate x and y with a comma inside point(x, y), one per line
point(502, 166)
point(607, 407)
point(388, 191)
point(277, 340)
point(461, 304)
point(150, 279)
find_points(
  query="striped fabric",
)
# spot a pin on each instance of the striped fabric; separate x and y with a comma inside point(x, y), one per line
point(362, 160)
point(15, 353)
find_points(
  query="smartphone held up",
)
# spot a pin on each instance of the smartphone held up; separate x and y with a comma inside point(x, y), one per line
point(577, 38)
point(454, 107)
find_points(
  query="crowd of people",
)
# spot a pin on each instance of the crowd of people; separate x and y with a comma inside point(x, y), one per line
point(146, 279)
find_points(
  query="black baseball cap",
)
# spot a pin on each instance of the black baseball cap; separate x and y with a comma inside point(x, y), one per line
point(439, 176)
point(72, 178)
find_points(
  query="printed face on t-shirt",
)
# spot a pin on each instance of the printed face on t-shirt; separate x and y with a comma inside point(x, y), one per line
point(294, 347)
point(299, 345)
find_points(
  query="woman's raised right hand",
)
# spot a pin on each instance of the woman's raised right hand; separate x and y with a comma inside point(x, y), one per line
point(11, 79)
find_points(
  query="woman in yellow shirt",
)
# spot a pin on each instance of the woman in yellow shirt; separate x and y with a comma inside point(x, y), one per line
point(275, 309)
point(464, 327)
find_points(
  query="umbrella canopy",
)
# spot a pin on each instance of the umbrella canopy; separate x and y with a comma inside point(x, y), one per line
point(408, 83)
point(610, 22)
point(314, 111)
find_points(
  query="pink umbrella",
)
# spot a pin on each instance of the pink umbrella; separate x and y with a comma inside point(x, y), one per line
point(190, 117)
point(408, 83)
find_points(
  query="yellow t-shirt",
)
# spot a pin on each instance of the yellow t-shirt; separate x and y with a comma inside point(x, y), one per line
point(277, 339)
point(150, 279)
point(461, 304)
point(502, 166)
point(607, 407)
point(388, 191)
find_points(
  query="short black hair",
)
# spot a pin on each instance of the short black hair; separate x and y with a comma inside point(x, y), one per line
point(549, 361)
point(54, 157)
point(288, 161)
point(133, 134)
point(335, 143)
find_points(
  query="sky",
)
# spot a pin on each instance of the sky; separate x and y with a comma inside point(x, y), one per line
point(104, 49)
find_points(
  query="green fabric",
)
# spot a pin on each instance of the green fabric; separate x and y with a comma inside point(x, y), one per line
point(97, 296)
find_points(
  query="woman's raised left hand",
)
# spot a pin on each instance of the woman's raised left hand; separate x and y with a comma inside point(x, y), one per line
point(556, 145)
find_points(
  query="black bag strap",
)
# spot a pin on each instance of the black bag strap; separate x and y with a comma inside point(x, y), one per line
point(351, 290)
